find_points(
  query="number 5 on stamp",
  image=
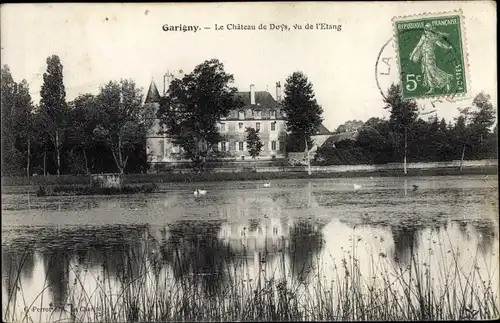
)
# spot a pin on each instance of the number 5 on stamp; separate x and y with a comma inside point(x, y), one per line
point(431, 58)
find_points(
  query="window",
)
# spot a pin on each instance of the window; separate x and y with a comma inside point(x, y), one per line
point(222, 127)
point(240, 146)
point(273, 126)
point(223, 146)
point(240, 125)
point(273, 145)
point(273, 114)
point(257, 126)
point(257, 114)
point(241, 115)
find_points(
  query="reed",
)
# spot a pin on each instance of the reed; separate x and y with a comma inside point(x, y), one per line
point(141, 288)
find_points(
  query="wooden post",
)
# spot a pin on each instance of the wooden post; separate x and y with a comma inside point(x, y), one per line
point(308, 160)
point(29, 156)
point(44, 162)
point(406, 146)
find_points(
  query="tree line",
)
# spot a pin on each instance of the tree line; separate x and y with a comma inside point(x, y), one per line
point(91, 134)
point(107, 132)
point(418, 136)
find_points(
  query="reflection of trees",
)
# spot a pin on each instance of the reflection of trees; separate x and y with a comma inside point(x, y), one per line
point(56, 263)
point(405, 242)
point(305, 243)
point(486, 235)
point(117, 249)
point(18, 262)
point(197, 255)
point(463, 229)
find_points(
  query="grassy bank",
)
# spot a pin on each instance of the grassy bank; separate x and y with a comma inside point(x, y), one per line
point(72, 190)
point(240, 176)
point(389, 292)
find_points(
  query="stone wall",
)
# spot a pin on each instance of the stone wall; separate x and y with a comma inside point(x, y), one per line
point(357, 168)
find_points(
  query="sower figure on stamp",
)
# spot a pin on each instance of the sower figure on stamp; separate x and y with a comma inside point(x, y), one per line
point(434, 78)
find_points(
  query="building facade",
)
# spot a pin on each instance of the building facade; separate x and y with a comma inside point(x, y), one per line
point(259, 111)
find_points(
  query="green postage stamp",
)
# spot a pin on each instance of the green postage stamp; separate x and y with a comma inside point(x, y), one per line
point(431, 55)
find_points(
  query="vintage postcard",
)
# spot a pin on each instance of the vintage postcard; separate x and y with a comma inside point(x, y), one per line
point(283, 161)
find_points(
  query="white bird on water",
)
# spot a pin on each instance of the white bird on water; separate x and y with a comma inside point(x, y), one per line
point(267, 185)
point(199, 192)
point(357, 187)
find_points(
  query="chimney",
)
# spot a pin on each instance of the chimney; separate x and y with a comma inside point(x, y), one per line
point(278, 91)
point(252, 94)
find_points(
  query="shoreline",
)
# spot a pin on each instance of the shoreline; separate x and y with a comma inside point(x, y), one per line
point(9, 183)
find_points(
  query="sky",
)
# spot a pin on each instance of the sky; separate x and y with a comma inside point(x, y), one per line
point(102, 42)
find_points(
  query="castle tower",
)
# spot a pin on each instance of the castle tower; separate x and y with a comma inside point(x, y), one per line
point(158, 147)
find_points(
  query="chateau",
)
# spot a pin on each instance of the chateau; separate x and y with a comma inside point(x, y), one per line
point(259, 111)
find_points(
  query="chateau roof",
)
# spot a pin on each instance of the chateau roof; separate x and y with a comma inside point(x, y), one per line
point(153, 95)
point(263, 99)
point(322, 130)
point(351, 135)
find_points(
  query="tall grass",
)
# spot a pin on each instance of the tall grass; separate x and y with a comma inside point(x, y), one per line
point(144, 288)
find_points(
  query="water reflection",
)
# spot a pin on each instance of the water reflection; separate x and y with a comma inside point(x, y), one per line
point(306, 240)
point(56, 263)
point(17, 265)
point(211, 244)
point(406, 241)
point(196, 254)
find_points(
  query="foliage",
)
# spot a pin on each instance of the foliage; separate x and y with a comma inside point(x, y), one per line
point(254, 145)
point(193, 106)
point(102, 132)
point(54, 114)
point(122, 123)
point(381, 141)
point(87, 190)
point(11, 157)
point(18, 124)
point(403, 112)
point(351, 125)
point(302, 112)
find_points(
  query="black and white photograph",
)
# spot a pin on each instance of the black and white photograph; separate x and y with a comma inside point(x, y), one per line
point(249, 161)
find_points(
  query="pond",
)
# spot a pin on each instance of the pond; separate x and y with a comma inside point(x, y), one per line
point(391, 248)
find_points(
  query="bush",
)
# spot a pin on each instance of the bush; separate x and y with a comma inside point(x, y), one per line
point(87, 190)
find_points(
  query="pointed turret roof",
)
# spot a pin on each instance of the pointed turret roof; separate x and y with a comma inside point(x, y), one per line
point(153, 94)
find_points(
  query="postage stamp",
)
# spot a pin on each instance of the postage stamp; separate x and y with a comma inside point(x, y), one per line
point(432, 57)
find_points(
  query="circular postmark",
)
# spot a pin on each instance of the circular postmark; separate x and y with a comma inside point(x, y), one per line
point(386, 72)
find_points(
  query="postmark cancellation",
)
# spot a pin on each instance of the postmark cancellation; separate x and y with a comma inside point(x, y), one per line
point(432, 55)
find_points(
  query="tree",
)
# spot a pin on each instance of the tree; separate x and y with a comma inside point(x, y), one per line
point(254, 145)
point(17, 124)
point(461, 131)
point(403, 114)
point(482, 119)
point(122, 121)
point(25, 123)
point(84, 119)
point(193, 106)
point(351, 125)
point(302, 111)
point(11, 157)
point(54, 110)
